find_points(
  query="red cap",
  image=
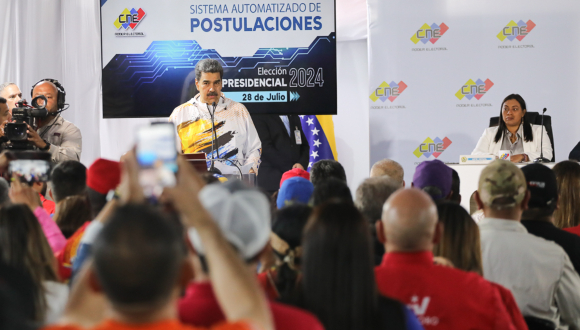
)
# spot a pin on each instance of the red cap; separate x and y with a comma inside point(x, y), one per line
point(104, 175)
point(294, 173)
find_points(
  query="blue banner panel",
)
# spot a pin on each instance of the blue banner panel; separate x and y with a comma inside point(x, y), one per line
point(150, 53)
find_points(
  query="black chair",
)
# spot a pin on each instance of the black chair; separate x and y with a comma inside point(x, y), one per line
point(538, 324)
point(534, 118)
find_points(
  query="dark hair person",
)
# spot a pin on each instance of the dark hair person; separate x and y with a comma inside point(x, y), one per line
point(325, 169)
point(67, 179)
point(24, 247)
point(331, 188)
point(338, 279)
point(513, 103)
point(460, 242)
point(72, 213)
point(514, 133)
point(286, 242)
point(567, 213)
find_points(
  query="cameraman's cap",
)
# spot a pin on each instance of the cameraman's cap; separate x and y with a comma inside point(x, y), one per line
point(502, 185)
point(542, 185)
point(435, 174)
point(242, 213)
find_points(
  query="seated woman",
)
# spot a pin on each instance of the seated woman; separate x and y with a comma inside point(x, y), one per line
point(514, 133)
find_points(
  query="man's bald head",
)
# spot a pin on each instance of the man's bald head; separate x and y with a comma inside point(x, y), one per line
point(390, 168)
point(48, 83)
point(50, 91)
point(409, 221)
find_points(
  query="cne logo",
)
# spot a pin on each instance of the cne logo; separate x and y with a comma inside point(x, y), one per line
point(473, 89)
point(433, 147)
point(429, 33)
point(388, 91)
point(420, 308)
point(504, 156)
point(515, 30)
point(129, 19)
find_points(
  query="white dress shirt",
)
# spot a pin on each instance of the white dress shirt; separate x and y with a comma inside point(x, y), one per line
point(538, 272)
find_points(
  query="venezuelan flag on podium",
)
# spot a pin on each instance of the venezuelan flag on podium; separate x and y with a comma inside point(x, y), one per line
point(319, 132)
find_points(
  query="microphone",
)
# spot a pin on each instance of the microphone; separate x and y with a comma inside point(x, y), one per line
point(541, 159)
point(212, 168)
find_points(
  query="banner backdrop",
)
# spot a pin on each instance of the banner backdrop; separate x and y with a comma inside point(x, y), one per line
point(278, 57)
point(439, 70)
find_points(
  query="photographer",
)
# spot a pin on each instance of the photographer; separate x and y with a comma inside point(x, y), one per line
point(61, 138)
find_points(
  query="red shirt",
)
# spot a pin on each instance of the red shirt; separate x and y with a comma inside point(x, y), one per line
point(47, 205)
point(66, 256)
point(442, 297)
point(200, 307)
point(163, 325)
point(512, 307)
point(573, 230)
point(266, 280)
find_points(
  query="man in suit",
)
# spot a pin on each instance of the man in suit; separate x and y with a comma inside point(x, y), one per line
point(282, 150)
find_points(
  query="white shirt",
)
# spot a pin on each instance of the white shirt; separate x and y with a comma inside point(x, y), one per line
point(236, 135)
point(487, 146)
point(517, 147)
point(56, 299)
point(537, 272)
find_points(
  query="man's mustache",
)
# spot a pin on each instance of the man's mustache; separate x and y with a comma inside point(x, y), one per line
point(212, 94)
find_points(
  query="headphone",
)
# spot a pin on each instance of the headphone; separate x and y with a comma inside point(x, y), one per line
point(60, 99)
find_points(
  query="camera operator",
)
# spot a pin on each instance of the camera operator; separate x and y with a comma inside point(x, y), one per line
point(61, 138)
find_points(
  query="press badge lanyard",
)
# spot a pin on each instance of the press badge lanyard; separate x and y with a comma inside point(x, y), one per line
point(297, 135)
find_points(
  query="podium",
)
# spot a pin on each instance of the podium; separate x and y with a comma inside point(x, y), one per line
point(197, 160)
point(230, 168)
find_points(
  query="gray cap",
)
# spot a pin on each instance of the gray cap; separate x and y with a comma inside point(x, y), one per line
point(242, 213)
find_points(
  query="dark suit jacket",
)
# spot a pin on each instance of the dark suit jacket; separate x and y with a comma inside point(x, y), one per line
point(568, 241)
point(279, 150)
point(575, 153)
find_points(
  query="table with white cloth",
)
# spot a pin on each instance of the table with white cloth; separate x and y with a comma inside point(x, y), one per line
point(469, 179)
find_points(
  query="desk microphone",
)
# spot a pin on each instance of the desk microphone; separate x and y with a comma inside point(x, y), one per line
point(541, 159)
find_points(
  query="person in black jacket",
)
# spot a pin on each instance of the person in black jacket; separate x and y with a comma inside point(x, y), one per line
point(282, 150)
point(538, 217)
point(575, 153)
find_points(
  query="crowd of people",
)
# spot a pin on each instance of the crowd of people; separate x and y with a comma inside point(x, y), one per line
point(87, 250)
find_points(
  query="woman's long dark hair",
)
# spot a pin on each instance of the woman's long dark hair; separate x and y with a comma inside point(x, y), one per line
point(460, 243)
point(24, 247)
point(337, 267)
point(288, 226)
point(528, 135)
point(72, 212)
point(567, 213)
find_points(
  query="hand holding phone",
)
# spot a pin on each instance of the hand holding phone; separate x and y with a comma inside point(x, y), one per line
point(156, 155)
point(30, 166)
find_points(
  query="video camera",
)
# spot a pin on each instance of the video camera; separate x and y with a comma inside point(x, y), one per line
point(24, 115)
